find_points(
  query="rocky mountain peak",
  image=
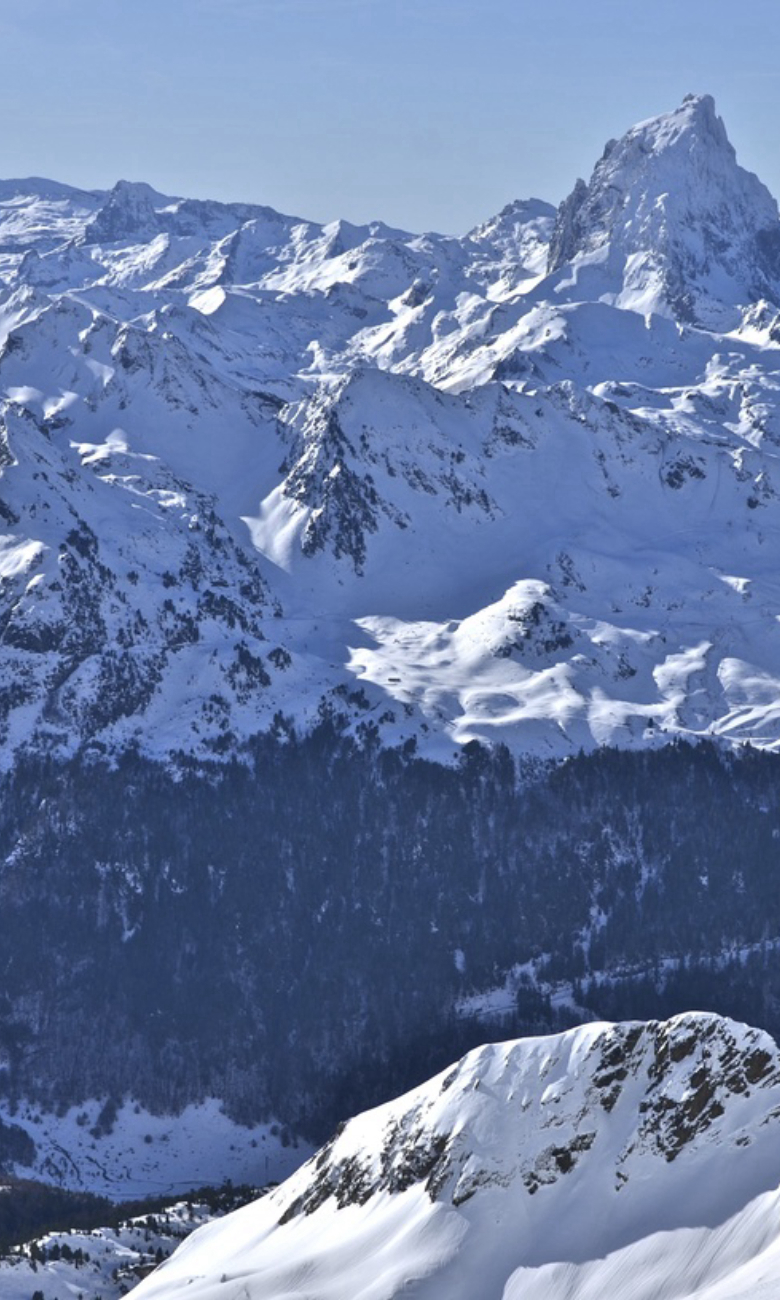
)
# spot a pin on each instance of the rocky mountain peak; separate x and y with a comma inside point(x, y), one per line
point(128, 213)
point(673, 218)
point(696, 118)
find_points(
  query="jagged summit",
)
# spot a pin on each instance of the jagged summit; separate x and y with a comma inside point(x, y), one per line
point(696, 118)
point(674, 220)
point(128, 213)
point(547, 1167)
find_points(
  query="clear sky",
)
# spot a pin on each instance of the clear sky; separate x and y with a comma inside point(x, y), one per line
point(428, 114)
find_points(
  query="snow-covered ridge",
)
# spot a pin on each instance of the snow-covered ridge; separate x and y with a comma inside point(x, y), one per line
point(635, 1159)
point(519, 485)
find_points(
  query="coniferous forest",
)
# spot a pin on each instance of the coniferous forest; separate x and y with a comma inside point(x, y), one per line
point(174, 934)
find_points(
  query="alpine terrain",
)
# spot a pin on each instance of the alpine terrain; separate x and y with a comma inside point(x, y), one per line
point(632, 1160)
point(517, 486)
point(389, 661)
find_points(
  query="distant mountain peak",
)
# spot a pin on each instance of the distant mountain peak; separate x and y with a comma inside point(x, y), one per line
point(696, 114)
point(671, 213)
point(129, 212)
point(693, 126)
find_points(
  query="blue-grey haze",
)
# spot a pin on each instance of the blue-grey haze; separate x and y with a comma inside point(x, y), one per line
point(427, 113)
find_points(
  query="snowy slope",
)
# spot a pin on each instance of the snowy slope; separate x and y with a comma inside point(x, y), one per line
point(136, 1153)
point(104, 1262)
point(639, 1160)
point(519, 485)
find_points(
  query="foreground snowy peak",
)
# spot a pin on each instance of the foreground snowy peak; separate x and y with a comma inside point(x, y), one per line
point(671, 214)
point(549, 1167)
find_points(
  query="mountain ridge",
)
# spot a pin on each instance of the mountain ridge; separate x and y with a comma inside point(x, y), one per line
point(541, 1167)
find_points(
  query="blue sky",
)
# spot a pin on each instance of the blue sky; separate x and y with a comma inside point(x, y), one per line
point(427, 114)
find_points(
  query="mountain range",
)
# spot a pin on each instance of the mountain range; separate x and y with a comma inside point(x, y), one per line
point(518, 486)
point(320, 548)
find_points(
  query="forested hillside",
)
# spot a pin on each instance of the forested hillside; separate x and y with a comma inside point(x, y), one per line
point(304, 933)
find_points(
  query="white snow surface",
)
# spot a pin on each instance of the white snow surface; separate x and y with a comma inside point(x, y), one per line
point(151, 1155)
point(634, 1160)
point(110, 1262)
point(521, 485)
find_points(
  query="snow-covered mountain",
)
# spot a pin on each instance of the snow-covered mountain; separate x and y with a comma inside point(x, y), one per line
point(674, 221)
point(519, 485)
point(639, 1160)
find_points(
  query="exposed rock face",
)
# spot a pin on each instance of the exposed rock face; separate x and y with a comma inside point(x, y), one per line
point(661, 1086)
point(128, 214)
point(669, 210)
